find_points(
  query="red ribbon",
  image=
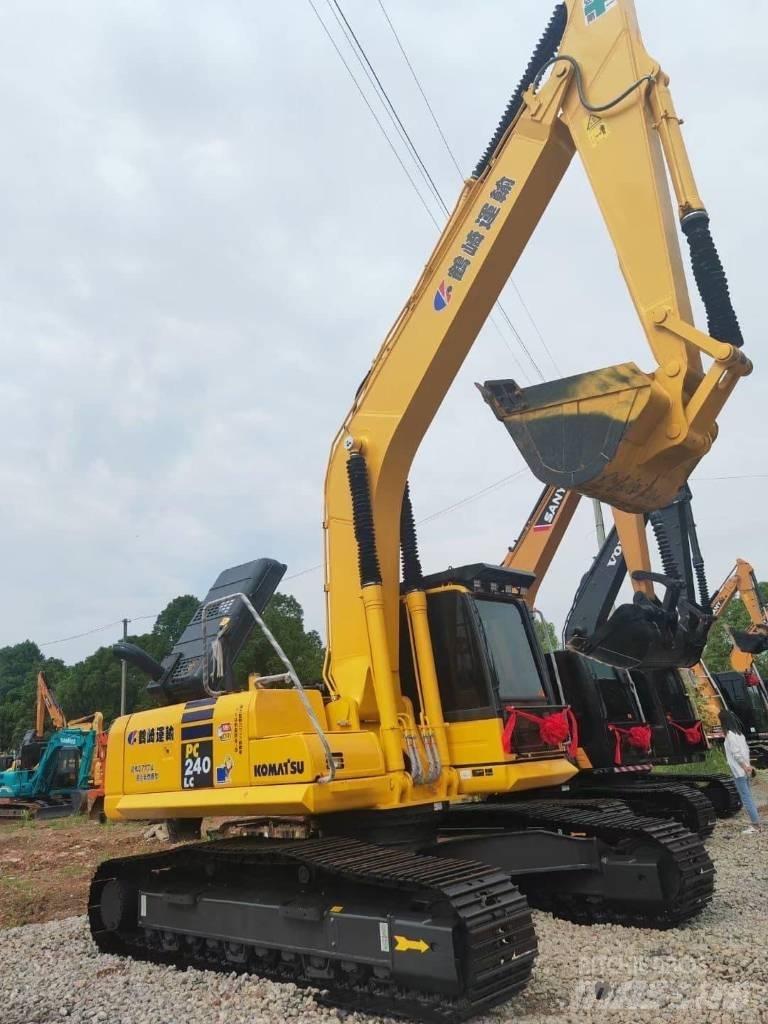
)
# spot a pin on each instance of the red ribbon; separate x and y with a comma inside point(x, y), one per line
point(638, 736)
point(693, 733)
point(554, 728)
point(751, 679)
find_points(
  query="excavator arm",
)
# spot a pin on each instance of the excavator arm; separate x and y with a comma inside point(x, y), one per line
point(754, 640)
point(623, 436)
point(633, 437)
point(647, 633)
point(47, 704)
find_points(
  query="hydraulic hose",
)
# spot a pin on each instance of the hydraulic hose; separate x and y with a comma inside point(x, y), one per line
point(666, 553)
point(362, 518)
point(710, 278)
point(697, 560)
point(413, 575)
point(545, 50)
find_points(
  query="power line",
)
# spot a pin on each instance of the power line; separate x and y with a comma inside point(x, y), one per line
point(473, 497)
point(440, 512)
point(370, 72)
point(738, 476)
point(97, 629)
point(456, 164)
point(381, 93)
point(489, 489)
point(373, 115)
point(77, 636)
point(421, 90)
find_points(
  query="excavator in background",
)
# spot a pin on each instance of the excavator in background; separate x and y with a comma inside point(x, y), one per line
point(59, 773)
point(667, 689)
point(742, 690)
point(629, 721)
point(406, 885)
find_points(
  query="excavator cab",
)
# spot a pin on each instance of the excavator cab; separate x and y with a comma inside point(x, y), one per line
point(489, 663)
point(613, 730)
point(678, 733)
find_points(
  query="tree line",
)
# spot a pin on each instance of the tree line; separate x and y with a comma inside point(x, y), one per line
point(93, 684)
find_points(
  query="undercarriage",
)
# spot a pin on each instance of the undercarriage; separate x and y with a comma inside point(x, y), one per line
point(431, 922)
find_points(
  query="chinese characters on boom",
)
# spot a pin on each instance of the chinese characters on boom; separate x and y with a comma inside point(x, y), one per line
point(474, 239)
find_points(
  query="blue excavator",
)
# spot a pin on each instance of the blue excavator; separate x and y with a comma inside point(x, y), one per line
point(57, 774)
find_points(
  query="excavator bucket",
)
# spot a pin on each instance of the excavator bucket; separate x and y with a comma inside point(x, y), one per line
point(750, 643)
point(589, 433)
point(648, 633)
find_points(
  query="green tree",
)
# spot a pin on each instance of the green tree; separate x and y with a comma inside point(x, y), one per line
point(546, 634)
point(93, 684)
point(718, 649)
point(173, 620)
point(285, 618)
point(19, 665)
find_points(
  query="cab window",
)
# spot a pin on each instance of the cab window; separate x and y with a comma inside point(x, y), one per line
point(509, 651)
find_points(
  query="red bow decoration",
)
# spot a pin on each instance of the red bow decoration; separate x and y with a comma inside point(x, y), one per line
point(638, 736)
point(693, 734)
point(554, 728)
point(751, 679)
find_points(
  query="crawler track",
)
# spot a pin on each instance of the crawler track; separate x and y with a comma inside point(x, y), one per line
point(719, 789)
point(686, 805)
point(686, 871)
point(476, 907)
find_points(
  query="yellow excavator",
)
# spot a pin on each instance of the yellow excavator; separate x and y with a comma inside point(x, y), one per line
point(400, 777)
point(741, 690)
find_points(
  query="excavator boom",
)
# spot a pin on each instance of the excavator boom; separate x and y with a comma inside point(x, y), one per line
point(47, 704)
point(620, 434)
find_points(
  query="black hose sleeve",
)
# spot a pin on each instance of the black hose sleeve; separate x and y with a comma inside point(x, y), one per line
point(545, 50)
point(362, 519)
point(711, 281)
point(697, 559)
point(413, 577)
point(668, 561)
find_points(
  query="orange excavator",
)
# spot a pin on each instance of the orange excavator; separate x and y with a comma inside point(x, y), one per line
point(742, 690)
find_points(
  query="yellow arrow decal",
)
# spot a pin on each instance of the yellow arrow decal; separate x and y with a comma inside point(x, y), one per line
point(403, 945)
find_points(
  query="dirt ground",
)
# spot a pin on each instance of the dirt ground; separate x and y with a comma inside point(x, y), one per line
point(46, 867)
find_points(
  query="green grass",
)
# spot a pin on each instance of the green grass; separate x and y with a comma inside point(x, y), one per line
point(714, 763)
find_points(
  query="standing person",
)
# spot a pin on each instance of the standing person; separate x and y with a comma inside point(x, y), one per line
point(737, 755)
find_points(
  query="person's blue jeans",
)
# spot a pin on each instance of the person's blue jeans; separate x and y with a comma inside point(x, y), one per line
point(745, 792)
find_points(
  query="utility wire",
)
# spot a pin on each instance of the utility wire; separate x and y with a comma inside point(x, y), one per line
point(421, 90)
point(461, 174)
point(381, 93)
point(489, 489)
point(97, 629)
point(363, 60)
point(77, 636)
point(373, 114)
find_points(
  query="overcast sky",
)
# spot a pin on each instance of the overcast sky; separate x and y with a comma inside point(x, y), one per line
point(205, 240)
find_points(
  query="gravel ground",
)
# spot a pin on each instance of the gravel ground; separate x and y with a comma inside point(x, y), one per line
point(713, 970)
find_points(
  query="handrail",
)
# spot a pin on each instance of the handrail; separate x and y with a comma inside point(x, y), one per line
point(291, 671)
